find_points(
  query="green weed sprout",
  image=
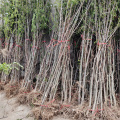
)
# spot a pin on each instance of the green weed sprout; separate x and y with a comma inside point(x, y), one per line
point(6, 68)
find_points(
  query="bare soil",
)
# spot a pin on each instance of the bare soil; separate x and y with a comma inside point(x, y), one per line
point(11, 110)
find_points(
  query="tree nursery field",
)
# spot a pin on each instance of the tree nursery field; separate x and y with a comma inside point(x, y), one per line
point(60, 59)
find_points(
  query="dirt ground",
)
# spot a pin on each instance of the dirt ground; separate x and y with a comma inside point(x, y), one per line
point(11, 110)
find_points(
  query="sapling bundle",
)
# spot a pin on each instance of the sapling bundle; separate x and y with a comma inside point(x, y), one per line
point(34, 50)
point(103, 65)
point(85, 63)
point(24, 24)
point(11, 21)
point(30, 71)
point(56, 66)
point(116, 46)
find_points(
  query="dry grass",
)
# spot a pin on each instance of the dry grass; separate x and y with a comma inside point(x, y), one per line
point(33, 97)
point(111, 113)
point(11, 89)
point(44, 114)
point(22, 99)
point(78, 112)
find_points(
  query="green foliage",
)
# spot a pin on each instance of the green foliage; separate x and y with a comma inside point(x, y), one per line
point(41, 15)
point(13, 17)
point(6, 68)
point(19, 15)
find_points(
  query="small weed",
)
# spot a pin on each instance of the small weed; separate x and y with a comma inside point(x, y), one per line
point(31, 105)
